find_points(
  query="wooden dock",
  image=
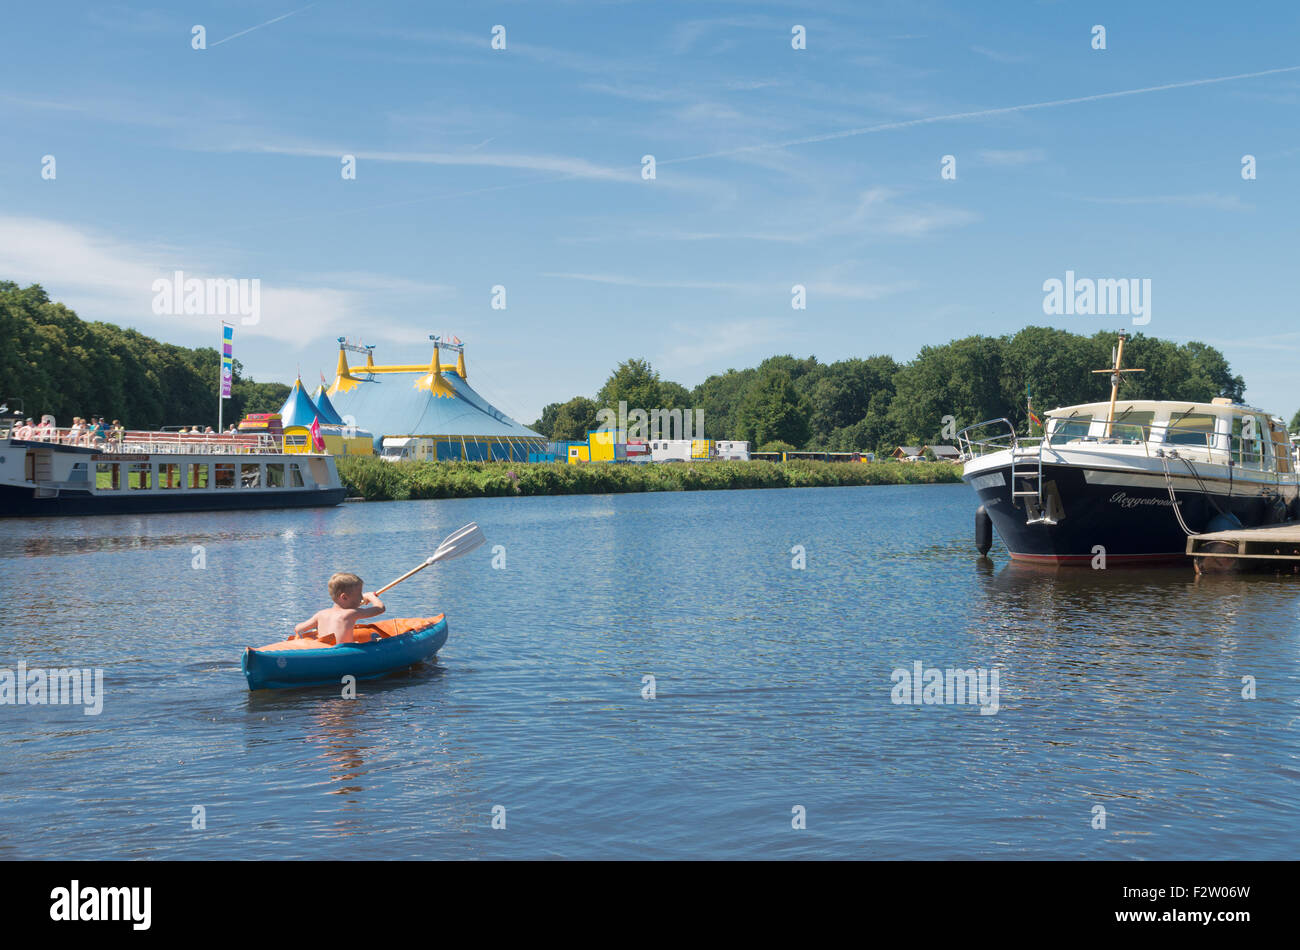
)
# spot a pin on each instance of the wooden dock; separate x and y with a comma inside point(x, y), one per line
point(1276, 547)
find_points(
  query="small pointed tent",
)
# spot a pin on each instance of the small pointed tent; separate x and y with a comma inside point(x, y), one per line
point(328, 414)
point(298, 409)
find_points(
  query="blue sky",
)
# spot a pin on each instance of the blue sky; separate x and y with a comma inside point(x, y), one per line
point(522, 167)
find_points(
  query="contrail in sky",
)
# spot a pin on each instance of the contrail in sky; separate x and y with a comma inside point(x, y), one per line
point(283, 16)
point(982, 113)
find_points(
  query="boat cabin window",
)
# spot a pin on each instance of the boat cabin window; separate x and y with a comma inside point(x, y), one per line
point(1248, 437)
point(295, 442)
point(1072, 429)
point(108, 476)
point(275, 475)
point(1130, 426)
point(1195, 429)
point(198, 475)
point(138, 475)
point(250, 475)
point(224, 475)
point(295, 475)
point(1281, 449)
point(78, 473)
point(169, 475)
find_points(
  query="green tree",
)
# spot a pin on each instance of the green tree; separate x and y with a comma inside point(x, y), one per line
point(634, 382)
point(546, 423)
point(60, 364)
point(573, 420)
point(771, 410)
point(719, 396)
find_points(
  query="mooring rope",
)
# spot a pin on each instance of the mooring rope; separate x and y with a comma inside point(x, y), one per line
point(1173, 502)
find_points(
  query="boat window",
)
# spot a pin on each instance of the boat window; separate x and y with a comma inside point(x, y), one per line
point(250, 475)
point(107, 476)
point(169, 475)
point(295, 475)
point(1069, 430)
point(1248, 441)
point(138, 475)
point(275, 475)
point(198, 475)
point(1281, 449)
point(78, 473)
point(1191, 430)
point(224, 475)
point(1131, 426)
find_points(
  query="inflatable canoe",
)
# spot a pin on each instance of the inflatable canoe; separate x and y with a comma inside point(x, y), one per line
point(381, 647)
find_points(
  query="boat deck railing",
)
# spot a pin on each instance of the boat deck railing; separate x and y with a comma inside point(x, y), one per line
point(146, 442)
point(994, 435)
point(1154, 441)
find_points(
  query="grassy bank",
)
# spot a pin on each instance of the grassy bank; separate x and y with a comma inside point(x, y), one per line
point(377, 480)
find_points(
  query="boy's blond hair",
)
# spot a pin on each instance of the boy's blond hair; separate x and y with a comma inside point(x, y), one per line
point(343, 581)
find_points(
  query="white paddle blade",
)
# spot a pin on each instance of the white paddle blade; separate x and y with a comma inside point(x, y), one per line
point(460, 542)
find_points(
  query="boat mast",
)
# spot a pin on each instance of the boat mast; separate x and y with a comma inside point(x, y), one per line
point(1115, 375)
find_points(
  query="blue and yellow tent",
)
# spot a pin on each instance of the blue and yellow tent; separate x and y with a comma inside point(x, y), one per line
point(430, 401)
point(300, 411)
point(328, 414)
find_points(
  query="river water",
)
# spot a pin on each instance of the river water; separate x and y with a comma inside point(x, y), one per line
point(772, 623)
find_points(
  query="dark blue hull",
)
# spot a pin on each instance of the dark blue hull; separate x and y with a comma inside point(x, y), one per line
point(21, 502)
point(1131, 523)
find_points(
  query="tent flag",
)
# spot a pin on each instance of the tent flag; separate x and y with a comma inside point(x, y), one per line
point(317, 442)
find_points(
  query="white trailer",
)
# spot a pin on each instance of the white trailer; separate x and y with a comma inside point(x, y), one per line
point(680, 450)
point(731, 451)
point(407, 448)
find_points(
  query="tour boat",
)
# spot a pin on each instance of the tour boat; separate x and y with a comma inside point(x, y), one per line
point(1130, 480)
point(55, 472)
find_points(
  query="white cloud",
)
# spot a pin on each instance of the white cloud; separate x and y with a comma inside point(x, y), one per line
point(697, 345)
point(1004, 157)
point(999, 57)
point(109, 279)
point(1205, 200)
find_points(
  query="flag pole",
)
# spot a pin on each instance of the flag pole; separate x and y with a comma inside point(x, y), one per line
point(227, 359)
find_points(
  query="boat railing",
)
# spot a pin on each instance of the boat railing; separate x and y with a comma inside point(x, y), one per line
point(1220, 448)
point(999, 435)
point(993, 435)
point(149, 442)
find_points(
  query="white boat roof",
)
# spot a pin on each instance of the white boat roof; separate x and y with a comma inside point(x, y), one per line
point(1156, 405)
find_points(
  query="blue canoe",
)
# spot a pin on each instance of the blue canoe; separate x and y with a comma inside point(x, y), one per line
point(381, 647)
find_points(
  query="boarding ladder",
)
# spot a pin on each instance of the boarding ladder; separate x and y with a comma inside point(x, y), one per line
point(1026, 463)
point(1027, 467)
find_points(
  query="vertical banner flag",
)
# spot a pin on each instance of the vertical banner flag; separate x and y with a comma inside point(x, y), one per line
point(317, 443)
point(227, 358)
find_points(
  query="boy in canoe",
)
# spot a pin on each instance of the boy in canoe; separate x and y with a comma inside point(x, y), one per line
point(345, 591)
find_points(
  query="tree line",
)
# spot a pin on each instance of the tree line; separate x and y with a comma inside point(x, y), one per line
point(57, 363)
point(876, 403)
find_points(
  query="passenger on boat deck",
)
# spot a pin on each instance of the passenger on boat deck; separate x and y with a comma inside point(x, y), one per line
point(24, 431)
point(116, 432)
point(208, 431)
point(75, 431)
point(96, 430)
point(44, 429)
point(232, 430)
point(345, 591)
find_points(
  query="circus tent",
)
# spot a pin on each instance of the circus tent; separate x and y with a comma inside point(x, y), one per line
point(429, 401)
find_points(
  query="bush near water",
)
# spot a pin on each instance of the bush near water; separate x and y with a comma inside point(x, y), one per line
point(376, 480)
